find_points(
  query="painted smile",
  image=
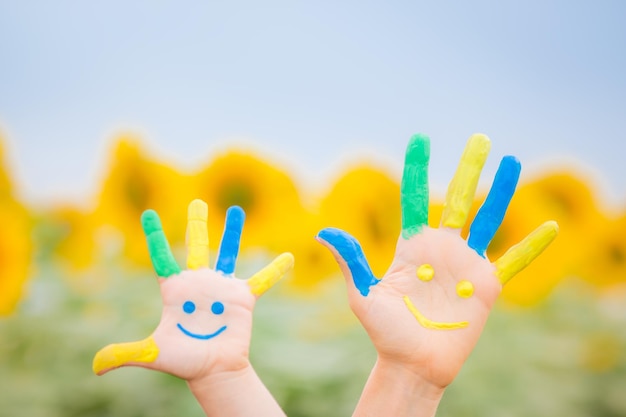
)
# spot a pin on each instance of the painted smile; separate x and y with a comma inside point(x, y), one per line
point(429, 324)
point(200, 336)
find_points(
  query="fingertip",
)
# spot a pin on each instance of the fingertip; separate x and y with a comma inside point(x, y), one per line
point(333, 235)
point(288, 258)
point(418, 148)
point(553, 225)
point(236, 214)
point(480, 141)
point(198, 210)
point(511, 160)
point(271, 274)
point(150, 221)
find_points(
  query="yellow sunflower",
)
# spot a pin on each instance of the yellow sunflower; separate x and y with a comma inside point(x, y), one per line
point(313, 263)
point(16, 249)
point(267, 195)
point(74, 240)
point(16, 245)
point(6, 190)
point(604, 262)
point(135, 183)
point(365, 202)
point(560, 196)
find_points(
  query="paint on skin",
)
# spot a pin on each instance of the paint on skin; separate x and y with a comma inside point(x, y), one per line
point(268, 276)
point(197, 235)
point(200, 336)
point(425, 272)
point(491, 213)
point(116, 355)
point(464, 289)
point(189, 307)
point(522, 254)
point(229, 247)
point(429, 324)
point(160, 254)
point(462, 188)
point(414, 187)
point(350, 251)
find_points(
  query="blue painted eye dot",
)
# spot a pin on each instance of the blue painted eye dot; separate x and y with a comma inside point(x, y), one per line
point(217, 308)
point(189, 307)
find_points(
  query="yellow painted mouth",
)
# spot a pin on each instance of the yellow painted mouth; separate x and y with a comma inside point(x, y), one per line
point(429, 324)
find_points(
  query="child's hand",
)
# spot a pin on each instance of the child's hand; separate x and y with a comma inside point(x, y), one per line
point(427, 312)
point(206, 323)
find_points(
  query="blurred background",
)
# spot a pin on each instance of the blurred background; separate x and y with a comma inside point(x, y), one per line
point(300, 113)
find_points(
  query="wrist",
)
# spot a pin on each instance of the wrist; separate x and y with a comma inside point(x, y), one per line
point(238, 393)
point(217, 378)
point(395, 389)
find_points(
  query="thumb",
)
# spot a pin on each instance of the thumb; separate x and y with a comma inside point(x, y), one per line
point(349, 255)
point(125, 354)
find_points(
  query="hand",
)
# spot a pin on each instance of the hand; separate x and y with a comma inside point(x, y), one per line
point(426, 313)
point(206, 322)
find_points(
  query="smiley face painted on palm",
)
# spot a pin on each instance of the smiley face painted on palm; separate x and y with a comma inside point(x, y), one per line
point(205, 305)
point(443, 288)
point(189, 307)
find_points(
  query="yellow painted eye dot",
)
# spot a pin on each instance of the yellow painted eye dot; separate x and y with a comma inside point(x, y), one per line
point(425, 272)
point(465, 289)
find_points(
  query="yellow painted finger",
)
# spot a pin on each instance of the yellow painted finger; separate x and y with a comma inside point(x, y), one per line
point(268, 276)
point(522, 254)
point(120, 354)
point(462, 188)
point(197, 235)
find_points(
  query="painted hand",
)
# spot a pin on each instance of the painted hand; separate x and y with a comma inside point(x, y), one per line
point(206, 321)
point(428, 310)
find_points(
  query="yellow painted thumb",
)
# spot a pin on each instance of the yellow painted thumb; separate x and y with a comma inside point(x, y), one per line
point(120, 354)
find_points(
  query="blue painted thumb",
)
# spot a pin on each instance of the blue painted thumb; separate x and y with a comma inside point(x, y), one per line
point(349, 255)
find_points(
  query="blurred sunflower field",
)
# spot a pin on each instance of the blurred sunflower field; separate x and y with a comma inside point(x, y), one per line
point(73, 279)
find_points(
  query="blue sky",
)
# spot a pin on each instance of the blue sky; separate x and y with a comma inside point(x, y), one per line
point(313, 86)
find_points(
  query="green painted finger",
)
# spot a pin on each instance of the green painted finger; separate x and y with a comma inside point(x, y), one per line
point(162, 259)
point(414, 188)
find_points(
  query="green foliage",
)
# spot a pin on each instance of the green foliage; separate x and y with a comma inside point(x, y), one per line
point(564, 357)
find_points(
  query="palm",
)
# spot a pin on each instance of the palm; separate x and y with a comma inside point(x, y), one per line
point(206, 321)
point(215, 336)
point(429, 309)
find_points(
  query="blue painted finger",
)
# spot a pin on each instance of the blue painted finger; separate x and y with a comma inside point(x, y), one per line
point(160, 254)
point(491, 213)
point(351, 253)
point(229, 246)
